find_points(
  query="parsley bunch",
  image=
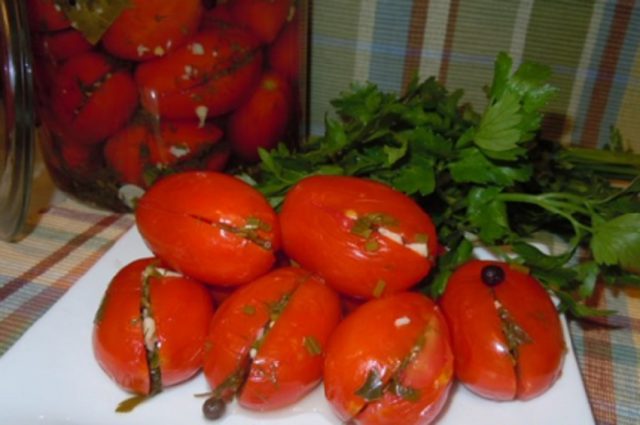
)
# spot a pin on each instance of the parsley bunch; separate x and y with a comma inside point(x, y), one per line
point(486, 179)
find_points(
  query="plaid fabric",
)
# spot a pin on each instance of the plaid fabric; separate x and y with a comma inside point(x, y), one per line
point(64, 243)
point(591, 46)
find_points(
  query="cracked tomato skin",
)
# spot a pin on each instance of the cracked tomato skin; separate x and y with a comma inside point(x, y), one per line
point(285, 368)
point(378, 336)
point(182, 310)
point(93, 100)
point(150, 28)
point(192, 220)
point(483, 361)
point(217, 69)
point(318, 219)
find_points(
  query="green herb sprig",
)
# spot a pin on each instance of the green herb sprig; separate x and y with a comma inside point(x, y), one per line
point(486, 179)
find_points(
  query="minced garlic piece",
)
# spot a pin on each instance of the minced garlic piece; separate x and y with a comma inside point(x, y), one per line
point(142, 49)
point(351, 214)
point(401, 321)
point(179, 151)
point(201, 112)
point(420, 248)
point(197, 49)
point(396, 237)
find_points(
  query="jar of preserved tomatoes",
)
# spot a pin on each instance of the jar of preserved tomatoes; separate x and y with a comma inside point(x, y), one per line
point(129, 91)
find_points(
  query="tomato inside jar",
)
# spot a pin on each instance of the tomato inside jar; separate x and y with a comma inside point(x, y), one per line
point(129, 92)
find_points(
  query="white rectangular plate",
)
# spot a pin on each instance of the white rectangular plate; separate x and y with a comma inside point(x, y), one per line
point(50, 377)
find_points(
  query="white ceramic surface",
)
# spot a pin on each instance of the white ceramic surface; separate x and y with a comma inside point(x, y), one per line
point(50, 377)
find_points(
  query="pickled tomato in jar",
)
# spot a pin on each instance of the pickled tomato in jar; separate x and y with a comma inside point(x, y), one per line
point(130, 91)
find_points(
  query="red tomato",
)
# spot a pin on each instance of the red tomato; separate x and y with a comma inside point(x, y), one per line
point(44, 15)
point(218, 157)
point(390, 362)
point(507, 338)
point(177, 141)
point(365, 238)
point(218, 16)
point(93, 100)
point(261, 122)
point(181, 310)
point(124, 153)
point(210, 76)
point(285, 52)
point(81, 160)
point(152, 28)
point(266, 342)
point(62, 45)
point(265, 18)
point(210, 226)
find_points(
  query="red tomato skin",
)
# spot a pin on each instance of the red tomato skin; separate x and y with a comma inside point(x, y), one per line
point(372, 338)
point(62, 45)
point(44, 16)
point(123, 153)
point(187, 135)
point(317, 233)
point(118, 339)
point(218, 69)
point(284, 369)
point(265, 18)
point(92, 119)
point(261, 122)
point(483, 361)
point(183, 309)
point(181, 219)
point(152, 24)
point(285, 52)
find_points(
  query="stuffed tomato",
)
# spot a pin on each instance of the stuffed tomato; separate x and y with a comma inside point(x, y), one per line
point(390, 362)
point(267, 341)
point(210, 226)
point(365, 238)
point(506, 332)
point(150, 328)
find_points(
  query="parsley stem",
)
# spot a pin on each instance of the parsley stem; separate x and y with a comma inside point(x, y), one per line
point(556, 207)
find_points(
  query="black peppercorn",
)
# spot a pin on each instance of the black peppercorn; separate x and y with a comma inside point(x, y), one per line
point(214, 408)
point(492, 275)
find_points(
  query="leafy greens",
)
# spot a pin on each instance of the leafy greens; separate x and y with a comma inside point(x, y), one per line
point(486, 179)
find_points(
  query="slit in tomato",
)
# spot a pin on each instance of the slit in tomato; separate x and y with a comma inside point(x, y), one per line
point(151, 344)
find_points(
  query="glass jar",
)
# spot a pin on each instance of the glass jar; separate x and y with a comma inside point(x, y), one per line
point(129, 91)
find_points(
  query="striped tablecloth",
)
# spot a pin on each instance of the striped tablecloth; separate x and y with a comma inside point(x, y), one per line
point(67, 239)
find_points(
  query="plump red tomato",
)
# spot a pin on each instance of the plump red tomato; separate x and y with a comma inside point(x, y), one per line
point(266, 343)
point(365, 238)
point(62, 45)
point(93, 99)
point(218, 16)
point(211, 75)
point(210, 226)
point(174, 327)
point(390, 362)
point(284, 53)
point(44, 15)
point(124, 153)
point(261, 122)
point(507, 337)
point(152, 28)
point(265, 18)
point(176, 141)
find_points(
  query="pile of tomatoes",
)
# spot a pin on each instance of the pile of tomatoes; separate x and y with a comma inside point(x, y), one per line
point(170, 85)
point(324, 290)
